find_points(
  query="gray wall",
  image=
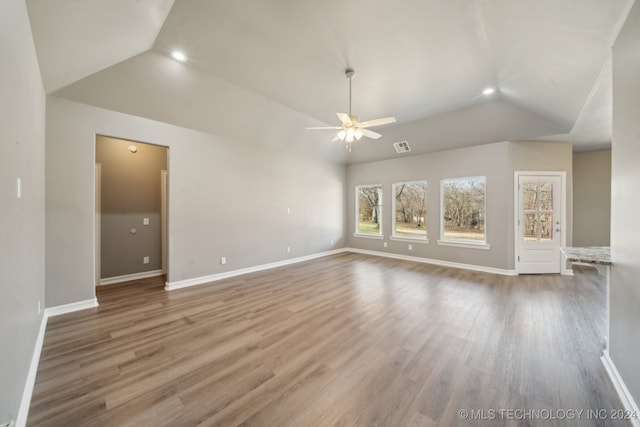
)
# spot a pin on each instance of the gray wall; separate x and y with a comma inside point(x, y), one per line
point(592, 198)
point(625, 205)
point(497, 162)
point(225, 199)
point(22, 108)
point(130, 192)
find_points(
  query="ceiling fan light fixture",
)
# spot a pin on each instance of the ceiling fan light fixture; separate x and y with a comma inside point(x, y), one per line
point(342, 134)
point(358, 134)
point(489, 91)
point(350, 133)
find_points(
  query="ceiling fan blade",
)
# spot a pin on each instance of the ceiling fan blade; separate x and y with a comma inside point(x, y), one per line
point(344, 118)
point(370, 134)
point(325, 127)
point(378, 122)
point(335, 138)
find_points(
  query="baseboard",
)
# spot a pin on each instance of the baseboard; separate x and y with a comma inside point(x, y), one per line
point(69, 308)
point(628, 402)
point(472, 267)
point(128, 277)
point(170, 286)
point(23, 411)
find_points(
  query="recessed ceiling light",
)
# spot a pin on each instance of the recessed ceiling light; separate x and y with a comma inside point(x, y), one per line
point(489, 91)
point(179, 56)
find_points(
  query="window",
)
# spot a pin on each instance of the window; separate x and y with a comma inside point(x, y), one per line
point(463, 210)
point(409, 210)
point(368, 210)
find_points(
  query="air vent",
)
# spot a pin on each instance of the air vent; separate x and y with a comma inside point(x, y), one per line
point(401, 147)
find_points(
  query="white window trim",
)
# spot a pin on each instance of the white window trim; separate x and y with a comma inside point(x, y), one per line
point(393, 236)
point(357, 206)
point(424, 240)
point(369, 236)
point(463, 243)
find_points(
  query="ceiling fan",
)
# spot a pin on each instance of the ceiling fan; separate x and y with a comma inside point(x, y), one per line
point(351, 128)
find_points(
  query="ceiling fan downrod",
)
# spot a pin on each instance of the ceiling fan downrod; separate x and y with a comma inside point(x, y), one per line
point(349, 73)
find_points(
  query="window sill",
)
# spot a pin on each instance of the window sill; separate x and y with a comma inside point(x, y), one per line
point(369, 236)
point(470, 245)
point(410, 239)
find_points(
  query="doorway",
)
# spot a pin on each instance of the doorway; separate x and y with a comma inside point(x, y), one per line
point(131, 203)
point(540, 221)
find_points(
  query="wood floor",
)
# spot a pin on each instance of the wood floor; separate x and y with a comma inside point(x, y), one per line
point(339, 341)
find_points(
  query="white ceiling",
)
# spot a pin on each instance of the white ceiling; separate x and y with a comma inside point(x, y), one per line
point(260, 72)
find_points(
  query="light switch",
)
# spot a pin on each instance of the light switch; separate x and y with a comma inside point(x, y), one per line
point(18, 188)
point(145, 221)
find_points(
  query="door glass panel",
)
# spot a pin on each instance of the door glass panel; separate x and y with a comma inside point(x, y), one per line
point(537, 200)
point(530, 196)
point(546, 196)
point(530, 227)
point(546, 226)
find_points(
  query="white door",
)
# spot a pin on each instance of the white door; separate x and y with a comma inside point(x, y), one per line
point(540, 220)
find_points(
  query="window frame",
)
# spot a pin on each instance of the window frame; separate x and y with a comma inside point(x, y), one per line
point(357, 233)
point(476, 244)
point(393, 236)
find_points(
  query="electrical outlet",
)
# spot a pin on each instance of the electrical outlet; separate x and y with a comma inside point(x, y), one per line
point(384, 244)
point(288, 249)
point(410, 247)
point(288, 211)
point(223, 260)
point(18, 188)
point(331, 242)
point(145, 221)
point(145, 260)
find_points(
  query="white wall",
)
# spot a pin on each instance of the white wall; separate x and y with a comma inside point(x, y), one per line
point(22, 109)
point(225, 199)
point(624, 343)
point(496, 161)
point(592, 198)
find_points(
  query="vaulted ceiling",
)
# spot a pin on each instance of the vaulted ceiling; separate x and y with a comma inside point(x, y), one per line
point(260, 72)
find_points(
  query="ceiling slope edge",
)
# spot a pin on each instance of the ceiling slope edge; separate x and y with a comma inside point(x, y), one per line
point(153, 86)
point(492, 121)
point(77, 39)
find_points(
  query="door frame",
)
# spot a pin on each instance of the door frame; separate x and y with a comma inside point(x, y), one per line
point(97, 220)
point(164, 207)
point(516, 213)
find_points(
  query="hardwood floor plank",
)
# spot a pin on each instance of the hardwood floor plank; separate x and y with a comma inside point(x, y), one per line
point(343, 340)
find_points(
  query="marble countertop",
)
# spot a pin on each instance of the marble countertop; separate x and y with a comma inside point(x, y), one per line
point(592, 255)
